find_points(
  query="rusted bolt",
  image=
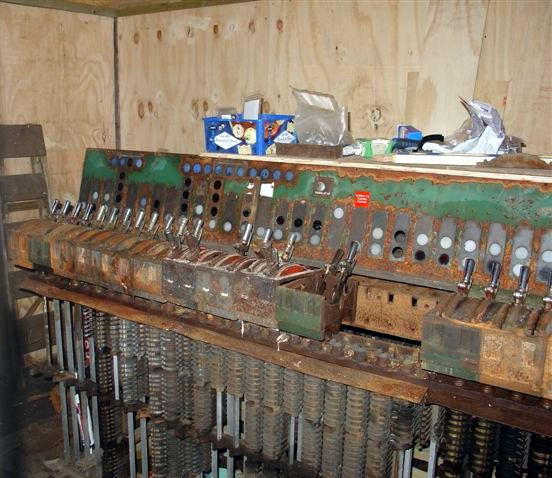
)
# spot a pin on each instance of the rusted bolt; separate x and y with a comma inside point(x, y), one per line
point(487, 389)
point(459, 382)
point(516, 396)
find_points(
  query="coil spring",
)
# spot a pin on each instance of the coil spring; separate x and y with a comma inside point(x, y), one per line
point(482, 448)
point(216, 364)
point(158, 450)
point(312, 445)
point(155, 371)
point(88, 321)
point(273, 433)
point(253, 419)
point(114, 334)
point(424, 429)
point(101, 331)
point(235, 366)
point(204, 408)
point(379, 453)
point(335, 399)
point(142, 361)
point(511, 452)
point(185, 375)
point(175, 456)
point(539, 464)
point(170, 386)
point(254, 378)
point(354, 449)
point(293, 392)
point(313, 398)
point(200, 352)
point(128, 344)
point(273, 386)
point(403, 424)
point(456, 434)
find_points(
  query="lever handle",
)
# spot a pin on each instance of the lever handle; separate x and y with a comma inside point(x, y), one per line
point(521, 292)
point(113, 216)
point(547, 299)
point(243, 246)
point(354, 249)
point(494, 282)
point(198, 230)
point(87, 212)
point(290, 247)
point(267, 239)
point(54, 206)
point(464, 286)
point(66, 207)
point(127, 218)
point(78, 208)
point(139, 224)
point(102, 212)
point(153, 222)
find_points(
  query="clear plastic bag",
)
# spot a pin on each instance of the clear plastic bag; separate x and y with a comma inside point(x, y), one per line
point(320, 120)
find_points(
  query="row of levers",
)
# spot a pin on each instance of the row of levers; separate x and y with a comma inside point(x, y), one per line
point(250, 317)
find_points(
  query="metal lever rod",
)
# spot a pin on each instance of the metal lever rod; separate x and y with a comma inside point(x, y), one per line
point(152, 226)
point(87, 212)
point(494, 283)
point(54, 206)
point(127, 219)
point(77, 209)
point(113, 217)
point(181, 230)
point(464, 286)
point(198, 230)
point(290, 247)
point(140, 218)
point(547, 299)
point(102, 213)
point(66, 207)
point(345, 270)
point(520, 294)
point(243, 246)
point(167, 230)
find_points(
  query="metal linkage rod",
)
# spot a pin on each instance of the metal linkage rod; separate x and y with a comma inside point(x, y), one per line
point(62, 394)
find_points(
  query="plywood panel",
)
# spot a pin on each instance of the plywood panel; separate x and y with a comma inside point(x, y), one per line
point(516, 69)
point(387, 61)
point(56, 69)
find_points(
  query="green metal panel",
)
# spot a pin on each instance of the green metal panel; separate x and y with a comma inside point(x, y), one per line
point(300, 313)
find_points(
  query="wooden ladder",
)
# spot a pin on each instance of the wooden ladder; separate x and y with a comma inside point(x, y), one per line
point(23, 195)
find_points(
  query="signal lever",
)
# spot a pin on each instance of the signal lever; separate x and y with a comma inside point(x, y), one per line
point(243, 246)
point(181, 231)
point(521, 292)
point(127, 219)
point(193, 240)
point(547, 299)
point(465, 286)
point(53, 207)
point(492, 287)
point(290, 247)
point(344, 270)
point(330, 269)
point(167, 230)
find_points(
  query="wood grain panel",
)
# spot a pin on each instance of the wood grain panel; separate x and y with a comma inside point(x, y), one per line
point(516, 69)
point(387, 61)
point(56, 69)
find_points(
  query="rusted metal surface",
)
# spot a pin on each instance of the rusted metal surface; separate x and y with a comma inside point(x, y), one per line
point(393, 308)
point(386, 369)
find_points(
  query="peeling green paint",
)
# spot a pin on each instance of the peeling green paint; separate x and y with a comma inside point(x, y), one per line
point(96, 165)
point(481, 201)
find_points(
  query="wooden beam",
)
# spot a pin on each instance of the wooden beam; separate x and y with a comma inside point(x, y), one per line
point(114, 8)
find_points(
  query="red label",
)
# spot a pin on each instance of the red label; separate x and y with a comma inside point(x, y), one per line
point(362, 198)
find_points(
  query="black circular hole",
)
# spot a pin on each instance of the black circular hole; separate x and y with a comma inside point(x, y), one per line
point(400, 236)
point(317, 225)
point(214, 211)
point(280, 220)
point(187, 181)
point(122, 175)
point(444, 259)
point(129, 162)
point(246, 213)
point(216, 197)
point(218, 184)
point(120, 186)
point(184, 207)
point(419, 255)
point(298, 222)
point(397, 252)
point(118, 198)
point(185, 194)
point(156, 204)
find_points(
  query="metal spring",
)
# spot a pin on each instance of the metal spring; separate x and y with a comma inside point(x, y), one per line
point(142, 360)
point(354, 449)
point(312, 445)
point(482, 448)
point(313, 398)
point(403, 424)
point(158, 450)
point(274, 433)
point(216, 364)
point(235, 380)
point(185, 376)
point(379, 456)
point(423, 435)
point(254, 378)
point(101, 331)
point(155, 371)
point(114, 334)
point(175, 456)
point(273, 386)
point(200, 353)
point(88, 321)
point(456, 434)
point(104, 365)
point(128, 344)
point(293, 392)
point(253, 420)
point(511, 452)
point(335, 399)
point(539, 464)
point(170, 383)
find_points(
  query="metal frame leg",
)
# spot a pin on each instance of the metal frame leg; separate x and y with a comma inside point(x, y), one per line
point(62, 395)
point(81, 374)
point(95, 413)
point(407, 463)
point(131, 444)
point(144, 446)
point(291, 439)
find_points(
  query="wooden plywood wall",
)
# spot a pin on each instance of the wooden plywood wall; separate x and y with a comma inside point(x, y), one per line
point(389, 62)
point(56, 69)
